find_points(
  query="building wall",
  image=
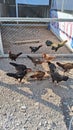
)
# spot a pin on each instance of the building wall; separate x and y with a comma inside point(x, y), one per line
point(9, 10)
point(59, 4)
point(33, 11)
point(3, 10)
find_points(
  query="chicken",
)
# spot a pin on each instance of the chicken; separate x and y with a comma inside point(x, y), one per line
point(48, 43)
point(47, 57)
point(55, 74)
point(19, 67)
point(57, 46)
point(35, 61)
point(14, 56)
point(52, 66)
point(65, 66)
point(20, 74)
point(38, 75)
point(58, 77)
point(34, 49)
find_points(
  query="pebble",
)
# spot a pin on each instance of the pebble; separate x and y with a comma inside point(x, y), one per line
point(72, 108)
point(23, 108)
point(37, 103)
point(40, 124)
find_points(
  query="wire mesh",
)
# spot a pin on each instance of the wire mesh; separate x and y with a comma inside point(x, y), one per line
point(19, 37)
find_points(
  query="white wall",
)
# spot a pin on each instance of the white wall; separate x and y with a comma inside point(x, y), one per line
point(63, 30)
point(67, 5)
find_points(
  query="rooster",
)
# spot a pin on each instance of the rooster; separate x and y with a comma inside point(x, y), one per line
point(14, 56)
point(57, 46)
point(34, 49)
point(19, 67)
point(20, 74)
point(35, 61)
point(47, 57)
point(65, 66)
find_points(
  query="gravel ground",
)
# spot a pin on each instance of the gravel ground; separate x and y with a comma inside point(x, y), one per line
point(40, 105)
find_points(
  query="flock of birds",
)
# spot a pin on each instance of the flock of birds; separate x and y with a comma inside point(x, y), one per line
point(23, 72)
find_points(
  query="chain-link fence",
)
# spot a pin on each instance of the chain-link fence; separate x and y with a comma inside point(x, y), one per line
point(19, 36)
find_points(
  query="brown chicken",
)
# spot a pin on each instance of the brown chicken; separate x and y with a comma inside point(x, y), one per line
point(35, 60)
point(14, 56)
point(38, 75)
point(47, 57)
point(65, 66)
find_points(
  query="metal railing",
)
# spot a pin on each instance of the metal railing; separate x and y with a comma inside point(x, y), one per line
point(35, 20)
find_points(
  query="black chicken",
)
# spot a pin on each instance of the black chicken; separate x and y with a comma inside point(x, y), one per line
point(55, 74)
point(58, 77)
point(20, 74)
point(65, 66)
point(19, 67)
point(35, 60)
point(52, 66)
point(34, 49)
point(14, 56)
point(48, 43)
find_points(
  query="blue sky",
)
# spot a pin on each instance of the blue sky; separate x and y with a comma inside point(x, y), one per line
point(33, 2)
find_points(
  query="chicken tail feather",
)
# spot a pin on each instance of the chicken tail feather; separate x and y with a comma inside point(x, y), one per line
point(13, 64)
point(65, 78)
point(59, 64)
point(12, 75)
point(19, 54)
point(29, 57)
